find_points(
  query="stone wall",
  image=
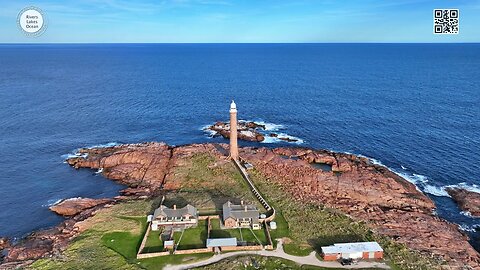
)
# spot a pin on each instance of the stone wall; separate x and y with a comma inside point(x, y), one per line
point(151, 255)
point(193, 251)
point(240, 248)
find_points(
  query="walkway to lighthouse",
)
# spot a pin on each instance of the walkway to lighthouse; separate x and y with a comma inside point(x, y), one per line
point(255, 192)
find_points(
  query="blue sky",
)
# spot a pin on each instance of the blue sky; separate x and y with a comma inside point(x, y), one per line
point(93, 21)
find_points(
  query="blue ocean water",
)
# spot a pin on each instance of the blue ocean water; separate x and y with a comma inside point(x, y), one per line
point(413, 107)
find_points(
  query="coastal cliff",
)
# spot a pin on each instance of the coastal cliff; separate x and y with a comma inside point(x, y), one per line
point(390, 205)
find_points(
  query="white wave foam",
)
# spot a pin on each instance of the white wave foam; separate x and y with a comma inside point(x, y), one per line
point(469, 187)
point(467, 228)
point(269, 139)
point(106, 145)
point(372, 160)
point(413, 178)
point(435, 190)
point(52, 202)
point(74, 155)
point(207, 129)
point(404, 168)
point(467, 214)
point(270, 126)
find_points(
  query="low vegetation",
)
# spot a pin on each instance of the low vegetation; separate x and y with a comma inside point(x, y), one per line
point(307, 227)
point(114, 234)
point(259, 262)
point(208, 184)
point(112, 241)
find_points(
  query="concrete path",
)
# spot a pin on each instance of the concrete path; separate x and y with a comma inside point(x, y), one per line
point(309, 260)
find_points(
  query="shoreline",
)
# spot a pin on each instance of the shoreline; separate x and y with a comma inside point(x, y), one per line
point(62, 234)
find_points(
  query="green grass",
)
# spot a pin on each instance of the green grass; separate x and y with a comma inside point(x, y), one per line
point(160, 262)
point(124, 243)
point(125, 224)
point(192, 238)
point(153, 243)
point(208, 187)
point(93, 248)
point(246, 234)
point(307, 227)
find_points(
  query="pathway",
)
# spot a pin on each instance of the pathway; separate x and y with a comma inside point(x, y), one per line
point(307, 260)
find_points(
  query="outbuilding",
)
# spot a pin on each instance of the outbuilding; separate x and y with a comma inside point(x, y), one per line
point(360, 250)
point(219, 244)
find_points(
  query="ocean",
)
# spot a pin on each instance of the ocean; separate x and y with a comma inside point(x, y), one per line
point(413, 107)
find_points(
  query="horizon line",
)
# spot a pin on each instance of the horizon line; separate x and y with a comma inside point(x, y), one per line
point(173, 43)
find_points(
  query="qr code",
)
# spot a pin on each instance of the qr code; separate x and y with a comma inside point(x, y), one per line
point(445, 21)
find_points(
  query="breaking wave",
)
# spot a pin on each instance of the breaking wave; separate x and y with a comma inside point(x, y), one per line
point(52, 202)
point(75, 153)
point(269, 139)
point(467, 228)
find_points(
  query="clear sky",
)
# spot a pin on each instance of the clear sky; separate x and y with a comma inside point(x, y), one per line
point(161, 21)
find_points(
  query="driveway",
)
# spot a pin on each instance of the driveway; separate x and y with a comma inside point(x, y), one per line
point(278, 252)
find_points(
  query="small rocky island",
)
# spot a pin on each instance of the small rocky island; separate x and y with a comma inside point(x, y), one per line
point(247, 131)
point(388, 204)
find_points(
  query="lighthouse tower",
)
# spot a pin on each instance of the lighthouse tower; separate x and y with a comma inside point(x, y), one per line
point(233, 131)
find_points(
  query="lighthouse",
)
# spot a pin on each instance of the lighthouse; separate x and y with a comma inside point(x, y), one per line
point(233, 131)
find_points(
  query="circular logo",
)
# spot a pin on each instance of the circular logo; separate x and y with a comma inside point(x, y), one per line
point(31, 21)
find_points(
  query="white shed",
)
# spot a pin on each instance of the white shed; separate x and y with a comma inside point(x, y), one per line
point(273, 225)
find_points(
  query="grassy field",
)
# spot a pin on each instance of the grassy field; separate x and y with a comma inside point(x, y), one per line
point(307, 227)
point(208, 187)
point(111, 243)
point(243, 234)
point(154, 243)
point(114, 234)
point(193, 237)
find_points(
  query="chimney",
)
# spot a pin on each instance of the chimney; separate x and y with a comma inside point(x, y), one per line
point(241, 202)
point(174, 207)
point(245, 208)
point(229, 203)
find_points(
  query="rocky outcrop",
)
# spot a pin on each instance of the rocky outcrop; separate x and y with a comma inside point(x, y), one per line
point(46, 242)
point(73, 206)
point(468, 201)
point(387, 202)
point(247, 131)
point(141, 166)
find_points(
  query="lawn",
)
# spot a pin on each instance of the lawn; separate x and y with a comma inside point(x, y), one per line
point(193, 237)
point(111, 242)
point(153, 243)
point(244, 234)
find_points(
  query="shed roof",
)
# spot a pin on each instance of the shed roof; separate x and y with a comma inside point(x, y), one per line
point(352, 247)
point(222, 242)
point(179, 212)
point(169, 243)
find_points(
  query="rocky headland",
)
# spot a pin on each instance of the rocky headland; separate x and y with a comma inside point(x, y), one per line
point(468, 201)
point(73, 206)
point(389, 204)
